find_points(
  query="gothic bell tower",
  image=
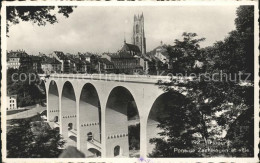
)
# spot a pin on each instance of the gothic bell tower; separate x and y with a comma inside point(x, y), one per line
point(138, 38)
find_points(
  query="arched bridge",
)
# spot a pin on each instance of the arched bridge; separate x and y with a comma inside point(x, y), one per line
point(91, 111)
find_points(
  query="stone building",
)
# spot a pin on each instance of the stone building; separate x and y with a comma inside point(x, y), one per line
point(86, 56)
point(138, 37)
point(71, 64)
point(51, 65)
point(162, 54)
point(36, 61)
point(11, 102)
point(142, 59)
point(105, 66)
point(131, 49)
point(13, 60)
point(19, 60)
point(62, 58)
point(123, 62)
point(81, 64)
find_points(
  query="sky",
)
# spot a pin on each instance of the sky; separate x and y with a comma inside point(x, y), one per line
point(101, 29)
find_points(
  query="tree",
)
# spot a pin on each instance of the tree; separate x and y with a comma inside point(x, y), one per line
point(35, 14)
point(134, 137)
point(182, 54)
point(245, 27)
point(179, 122)
point(216, 96)
point(19, 139)
point(28, 91)
point(241, 133)
point(27, 139)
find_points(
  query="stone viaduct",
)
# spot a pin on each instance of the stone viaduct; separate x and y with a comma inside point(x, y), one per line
point(91, 110)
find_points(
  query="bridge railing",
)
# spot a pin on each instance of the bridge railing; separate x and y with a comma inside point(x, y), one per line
point(117, 77)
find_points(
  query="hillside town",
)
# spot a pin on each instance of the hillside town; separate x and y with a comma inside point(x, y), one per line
point(128, 60)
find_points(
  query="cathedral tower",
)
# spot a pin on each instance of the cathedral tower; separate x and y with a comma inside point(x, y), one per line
point(138, 38)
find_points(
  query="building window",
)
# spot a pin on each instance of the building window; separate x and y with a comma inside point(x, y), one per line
point(89, 136)
point(117, 151)
point(56, 119)
point(70, 126)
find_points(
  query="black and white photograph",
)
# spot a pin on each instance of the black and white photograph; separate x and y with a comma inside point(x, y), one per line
point(141, 82)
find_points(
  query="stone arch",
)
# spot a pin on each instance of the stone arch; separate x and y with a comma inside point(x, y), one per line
point(121, 110)
point(53, 102)
point(90, 114)
point(73, 138)
point(95, 152)
point(69, 108)
point(160, 109)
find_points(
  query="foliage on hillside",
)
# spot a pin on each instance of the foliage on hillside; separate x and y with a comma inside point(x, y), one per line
point(223, 102)
point(28, 91)
point(134, 137)
point(28, 139)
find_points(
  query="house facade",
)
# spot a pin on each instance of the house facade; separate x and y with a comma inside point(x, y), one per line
point(11, 102)
point(51, 65)
point(19, 59)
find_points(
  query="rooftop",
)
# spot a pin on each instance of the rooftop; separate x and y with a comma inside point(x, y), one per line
point(51, 61)
point(60, 55)
point(16, 54)
point(122, 54)
point(106, 61)
point(130, 47)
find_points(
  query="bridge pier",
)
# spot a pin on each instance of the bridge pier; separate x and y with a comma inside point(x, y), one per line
point(60, 114)
point(117, 126)
point(78, 126)
point(103, 129)
point(53, 103)
point(143, 136)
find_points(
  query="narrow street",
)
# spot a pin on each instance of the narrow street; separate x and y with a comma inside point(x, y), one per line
point(26, 114)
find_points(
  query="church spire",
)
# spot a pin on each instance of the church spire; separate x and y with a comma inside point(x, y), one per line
point(138, 37)
point(135, 18)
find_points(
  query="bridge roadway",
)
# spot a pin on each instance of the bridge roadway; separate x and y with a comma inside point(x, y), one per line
point(97, 104)
point(151, 79)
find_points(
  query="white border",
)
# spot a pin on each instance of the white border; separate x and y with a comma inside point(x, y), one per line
point(127, 3)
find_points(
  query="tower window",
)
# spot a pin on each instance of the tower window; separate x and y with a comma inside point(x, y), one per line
point(137, 28)
point(137, 39)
